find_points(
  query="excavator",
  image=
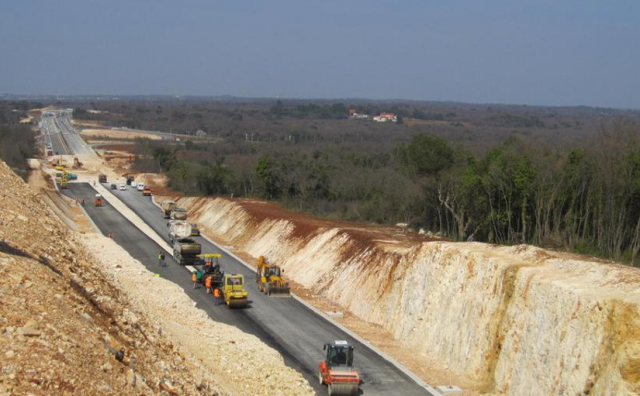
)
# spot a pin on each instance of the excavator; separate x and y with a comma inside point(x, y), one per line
point(269, 279)
point(337, 371)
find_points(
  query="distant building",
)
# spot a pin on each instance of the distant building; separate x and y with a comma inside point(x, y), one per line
point(354, 114)
point(384, 117)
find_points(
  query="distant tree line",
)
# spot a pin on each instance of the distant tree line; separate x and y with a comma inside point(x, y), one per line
point(585, 199)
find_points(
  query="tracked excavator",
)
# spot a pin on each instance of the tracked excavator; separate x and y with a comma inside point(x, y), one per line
point(337, 371)
point(269, 279)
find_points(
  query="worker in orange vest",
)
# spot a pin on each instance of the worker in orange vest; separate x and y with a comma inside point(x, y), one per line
point(194, 278)
point(216, 295)
point(207, 284)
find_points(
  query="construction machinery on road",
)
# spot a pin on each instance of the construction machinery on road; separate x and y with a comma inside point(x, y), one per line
point(185, 249)
point(178, 214)
point(337, 371)
point(98, 201)
point(146, 191)
point(233, 291)
point(77, 164)
point(167, 206)
point(102, 178)
point(211, 268)
point(269, 279)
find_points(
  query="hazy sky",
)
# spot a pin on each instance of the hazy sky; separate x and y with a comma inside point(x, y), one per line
point(513, 51)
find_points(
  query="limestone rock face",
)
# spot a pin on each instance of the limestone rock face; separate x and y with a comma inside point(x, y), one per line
point(519, 320)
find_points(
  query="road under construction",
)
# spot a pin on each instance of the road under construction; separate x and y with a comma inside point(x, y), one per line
point(286, 324)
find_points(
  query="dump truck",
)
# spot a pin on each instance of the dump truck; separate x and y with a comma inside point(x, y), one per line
point(102, 178)
point(233, 291)
point(336, 370)
point(146, 192)
point(186, 251)
point(178, 229)
point(269, 279)
point(167, 206)
point(178, 214)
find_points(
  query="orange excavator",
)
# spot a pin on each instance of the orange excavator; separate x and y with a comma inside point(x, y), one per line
point(337, 371)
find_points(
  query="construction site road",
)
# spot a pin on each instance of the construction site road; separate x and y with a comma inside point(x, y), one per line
point(284, 324)
point(53, 136)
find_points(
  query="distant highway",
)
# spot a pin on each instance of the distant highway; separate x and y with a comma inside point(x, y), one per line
point(60, 134)
point(285, 324)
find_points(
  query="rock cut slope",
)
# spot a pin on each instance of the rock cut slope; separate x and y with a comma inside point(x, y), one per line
point(517, 320)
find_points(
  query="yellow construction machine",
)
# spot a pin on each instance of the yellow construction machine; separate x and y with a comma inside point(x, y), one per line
point(235, 295)
point(270, 281)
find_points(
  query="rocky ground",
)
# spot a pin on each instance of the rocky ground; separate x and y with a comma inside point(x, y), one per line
point(69, 324)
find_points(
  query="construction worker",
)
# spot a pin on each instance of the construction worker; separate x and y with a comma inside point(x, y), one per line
point(217, 295)
point(207, 284)
point(163, 259)
point(194, 278)
point(160, 258)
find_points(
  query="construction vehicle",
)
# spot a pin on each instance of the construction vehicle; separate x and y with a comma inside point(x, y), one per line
point(178, 229)
point(269, 279)
point(185, 249)
point(167, 206)
point(195, 230)
point(72, 176)
point(337, 371)
point(64, 183)
point(102, 178)
point(77, 164)
point(211, 268)
point(235, 295)
point(178, 214)
point(130, 180)
point(60, 168)
point(146, 192)
point(98, 200)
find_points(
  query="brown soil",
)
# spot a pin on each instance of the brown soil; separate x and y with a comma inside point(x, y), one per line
point(388, 238)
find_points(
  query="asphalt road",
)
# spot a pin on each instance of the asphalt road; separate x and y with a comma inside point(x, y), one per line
point(53, 136)
point(282, 323)
point(60, 134)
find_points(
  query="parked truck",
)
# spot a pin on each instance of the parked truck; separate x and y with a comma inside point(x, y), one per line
point(102, 178)
point(167, 206)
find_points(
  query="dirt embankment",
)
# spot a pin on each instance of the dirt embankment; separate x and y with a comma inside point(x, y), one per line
point(78, 315)
point(514, 320)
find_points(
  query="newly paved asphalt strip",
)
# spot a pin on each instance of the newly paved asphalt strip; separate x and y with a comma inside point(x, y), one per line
point(282, 323)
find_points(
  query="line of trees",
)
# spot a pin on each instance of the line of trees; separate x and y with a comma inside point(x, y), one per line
point(17, 143)
point(583, 199)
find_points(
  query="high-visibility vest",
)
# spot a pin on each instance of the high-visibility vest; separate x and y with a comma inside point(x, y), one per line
point(216, 292)
point(194, 277)
point(207, 282)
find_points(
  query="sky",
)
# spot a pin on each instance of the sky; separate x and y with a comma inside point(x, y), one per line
point(540, 52)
